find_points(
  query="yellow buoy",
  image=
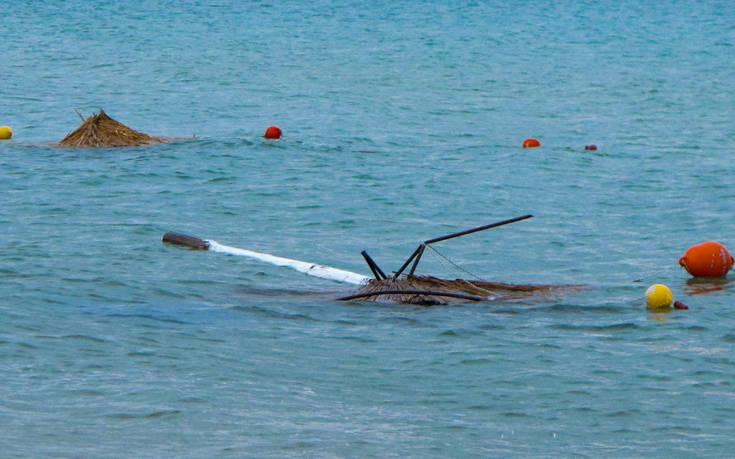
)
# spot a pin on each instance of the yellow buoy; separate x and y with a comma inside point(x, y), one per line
point(5, 133)
point(658, 296)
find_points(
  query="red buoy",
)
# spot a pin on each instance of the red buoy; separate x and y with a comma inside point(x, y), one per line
point(708, 259)
point(591, 146)
point(531, 143)
point(273, 132)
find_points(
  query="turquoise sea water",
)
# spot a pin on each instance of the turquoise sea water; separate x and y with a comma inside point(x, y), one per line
point(402, 121)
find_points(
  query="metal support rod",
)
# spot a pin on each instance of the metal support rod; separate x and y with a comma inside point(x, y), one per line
point(377, 272)
point(416, 261)
point(415, 252)
point(474, 230)
point(420, 249)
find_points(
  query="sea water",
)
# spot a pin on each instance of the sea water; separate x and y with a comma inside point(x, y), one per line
point(402, 121)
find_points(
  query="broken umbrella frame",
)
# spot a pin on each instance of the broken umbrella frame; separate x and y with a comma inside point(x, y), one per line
point(416, 255)
point(386, 285)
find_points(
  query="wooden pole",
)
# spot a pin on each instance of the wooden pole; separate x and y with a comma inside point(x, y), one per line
point(187, 241)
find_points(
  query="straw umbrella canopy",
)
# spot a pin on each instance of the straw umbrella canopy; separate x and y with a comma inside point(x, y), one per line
point(99, 130)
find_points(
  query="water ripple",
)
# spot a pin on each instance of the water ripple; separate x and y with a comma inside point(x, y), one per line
point(598, 328)
point(271, 313)
point(153, 415)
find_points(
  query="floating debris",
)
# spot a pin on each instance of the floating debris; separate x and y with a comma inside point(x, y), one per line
point(398, 288)
point(99, 130)
point(429, 290)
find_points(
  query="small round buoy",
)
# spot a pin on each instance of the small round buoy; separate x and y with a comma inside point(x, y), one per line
point(5, 133)
point(531, 143)
point(708, 259)
point(273, 132)
point(658, 296)
point(591, 146)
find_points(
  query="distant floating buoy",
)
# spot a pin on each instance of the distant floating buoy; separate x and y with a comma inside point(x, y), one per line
point(591, 146)
point(531, 143)
point(273, 132)
point(708, 259)
point(5, 133)
point(658, 296)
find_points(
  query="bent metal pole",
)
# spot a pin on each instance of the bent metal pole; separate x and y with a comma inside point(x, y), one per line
point(479, 228)
point(420, 249)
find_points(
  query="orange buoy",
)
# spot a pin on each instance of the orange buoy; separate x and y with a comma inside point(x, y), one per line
point(273, 132)
point(531, 143)
point(591, 146)
point(708, 259)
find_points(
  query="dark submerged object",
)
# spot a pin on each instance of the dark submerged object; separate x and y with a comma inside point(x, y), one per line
point(187, 241)
point(418, 289)
point(429, 290)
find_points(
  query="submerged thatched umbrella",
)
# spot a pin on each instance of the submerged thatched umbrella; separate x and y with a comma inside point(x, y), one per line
point(99, 130)
point(429, 290)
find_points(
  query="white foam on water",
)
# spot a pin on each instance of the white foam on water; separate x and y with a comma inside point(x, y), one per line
point(312, 269)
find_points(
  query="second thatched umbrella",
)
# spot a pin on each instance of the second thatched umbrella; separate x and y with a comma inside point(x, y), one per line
point(99, 130)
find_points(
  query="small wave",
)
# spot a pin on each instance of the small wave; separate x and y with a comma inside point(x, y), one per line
point(401, 319)
point(274, 314)
point(481, 361)
point(154, 415)
point(656, 378)
point(456, 427)
point(87, 392)
point(583, 409)
point(580, 308)
point(598, 328)
point(357, 339)
point(140, 354)
point(479, 408)
point(625, 431)
point(299, 446)
point(345, 322)
point(695, 328)
point(504, 311)
point(149, 317)
point(461, 333)
point(22, 98)
point(230, 179)
point(623, 413)
point(275, 292)
point(169, 293)
point(84, 338)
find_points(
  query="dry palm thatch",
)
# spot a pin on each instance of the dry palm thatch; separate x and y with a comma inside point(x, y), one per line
point(99, 130)
point(428, 290)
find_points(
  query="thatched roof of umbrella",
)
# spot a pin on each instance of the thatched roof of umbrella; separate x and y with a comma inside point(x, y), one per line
point(429, 290)
point(99, 130)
